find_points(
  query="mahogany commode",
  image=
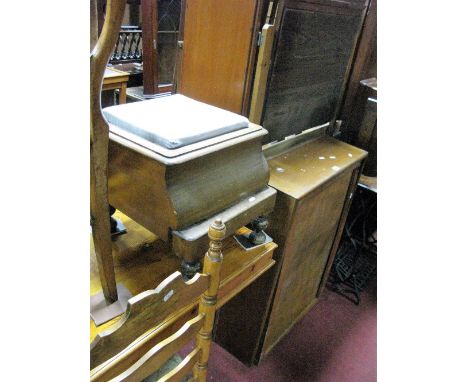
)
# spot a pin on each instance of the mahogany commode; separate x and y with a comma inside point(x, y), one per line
point(175, 164)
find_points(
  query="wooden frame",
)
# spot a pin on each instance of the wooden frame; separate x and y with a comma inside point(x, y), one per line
point(148, 308)
point(257, 98)
point(143, 262)
point(216, 65)
point(149, 10)
point(284, 111)
point(99, 139)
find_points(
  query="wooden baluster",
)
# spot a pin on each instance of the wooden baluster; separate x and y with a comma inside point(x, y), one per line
point(211, 266)
point(99, 137)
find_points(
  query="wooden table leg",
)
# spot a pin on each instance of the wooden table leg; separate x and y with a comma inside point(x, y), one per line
point(123, 93)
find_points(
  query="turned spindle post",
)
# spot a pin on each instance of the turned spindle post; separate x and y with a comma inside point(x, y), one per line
point(211, 266)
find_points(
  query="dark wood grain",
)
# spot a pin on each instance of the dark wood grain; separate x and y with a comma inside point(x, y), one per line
point(364, 63)
point(149, 11)
point(313, 50)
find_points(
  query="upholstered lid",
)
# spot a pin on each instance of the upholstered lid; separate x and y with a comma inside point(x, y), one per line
point(174, 121)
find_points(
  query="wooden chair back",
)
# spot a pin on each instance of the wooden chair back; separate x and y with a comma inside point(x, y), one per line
point(111, 350)
point(99, 142)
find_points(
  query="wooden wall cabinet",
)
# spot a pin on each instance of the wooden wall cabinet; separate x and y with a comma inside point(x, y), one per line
point(315, 183)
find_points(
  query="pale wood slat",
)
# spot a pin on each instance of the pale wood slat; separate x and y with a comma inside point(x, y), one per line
point(137, 349)
point(159, 354)
point(146, 310)
point(184, 368)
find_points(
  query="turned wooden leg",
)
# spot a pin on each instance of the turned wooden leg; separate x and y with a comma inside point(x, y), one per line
point(211, 266)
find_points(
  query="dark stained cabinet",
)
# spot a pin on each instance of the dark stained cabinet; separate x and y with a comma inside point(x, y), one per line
point(312, 57)
point(314, 174)
point(315, 183)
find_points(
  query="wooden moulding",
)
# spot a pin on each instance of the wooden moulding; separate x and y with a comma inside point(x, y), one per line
point(191, 242)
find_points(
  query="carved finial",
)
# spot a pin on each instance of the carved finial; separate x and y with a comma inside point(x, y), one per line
point(217, 230)
point(216, 233)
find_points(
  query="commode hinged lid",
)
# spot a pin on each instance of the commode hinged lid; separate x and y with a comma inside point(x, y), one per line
point(174, 121)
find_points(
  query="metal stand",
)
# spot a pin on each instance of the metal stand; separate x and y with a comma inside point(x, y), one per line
point(355, 263)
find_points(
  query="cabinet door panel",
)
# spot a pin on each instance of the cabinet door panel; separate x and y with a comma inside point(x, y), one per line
point(305, 255)
point(218, 38)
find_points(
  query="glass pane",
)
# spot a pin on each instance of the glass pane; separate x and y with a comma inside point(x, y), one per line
point(168, 32)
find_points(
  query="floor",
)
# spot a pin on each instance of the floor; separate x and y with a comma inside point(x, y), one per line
point(335, 341)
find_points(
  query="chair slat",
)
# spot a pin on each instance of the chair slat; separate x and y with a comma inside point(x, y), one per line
point(146, 310)
point(159, 354)
point(184, 368)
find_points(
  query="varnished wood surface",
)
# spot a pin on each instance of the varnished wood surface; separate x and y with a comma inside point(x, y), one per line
point(303, 169)
point(162, 197)
point(311, 207)
point(218, 37)
point(116, 79)
point(114, 75)
point(306, 250)
point(144, 311)
point(99, 142)
point(149, 13)
point(369, 182)
point(261, 74)
point(315, 42)
point(151, 308)
point(158, 355)
point(142, 262)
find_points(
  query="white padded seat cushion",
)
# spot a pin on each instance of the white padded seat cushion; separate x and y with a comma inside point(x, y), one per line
point(174, 121)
